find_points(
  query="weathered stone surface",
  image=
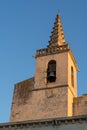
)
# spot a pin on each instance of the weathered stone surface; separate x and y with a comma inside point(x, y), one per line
point(80, 105)
point(41, 104)
point(36, 98)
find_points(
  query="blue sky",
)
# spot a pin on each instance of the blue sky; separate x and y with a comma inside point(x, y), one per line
point(25, 26)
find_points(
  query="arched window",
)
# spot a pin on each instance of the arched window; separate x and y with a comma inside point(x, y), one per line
point(72, 76)
point(51, 71)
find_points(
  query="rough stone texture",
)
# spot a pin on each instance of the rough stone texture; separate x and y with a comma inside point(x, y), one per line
point(36, 99)
point(21, 94)
point(80, 105)
point(40, 104)
point(61, 70)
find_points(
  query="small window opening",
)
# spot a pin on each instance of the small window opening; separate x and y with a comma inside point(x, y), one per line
point(51, 71)
point(72, 76)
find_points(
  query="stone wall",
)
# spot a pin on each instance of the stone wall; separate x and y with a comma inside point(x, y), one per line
point(80, 105)
point(33, 104)
point(61, 70)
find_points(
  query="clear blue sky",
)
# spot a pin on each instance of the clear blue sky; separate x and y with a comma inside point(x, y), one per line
point(25, 26)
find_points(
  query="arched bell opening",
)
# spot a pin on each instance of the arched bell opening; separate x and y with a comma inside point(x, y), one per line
point(51, 71)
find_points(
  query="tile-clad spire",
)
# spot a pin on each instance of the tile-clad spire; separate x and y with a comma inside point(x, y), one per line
point(57, 38)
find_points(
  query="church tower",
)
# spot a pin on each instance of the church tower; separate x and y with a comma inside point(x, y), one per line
point(50, 93)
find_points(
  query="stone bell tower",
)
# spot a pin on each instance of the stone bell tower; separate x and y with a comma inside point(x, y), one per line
point(50, 93)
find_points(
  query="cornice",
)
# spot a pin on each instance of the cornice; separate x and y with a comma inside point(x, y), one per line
point(47, 122)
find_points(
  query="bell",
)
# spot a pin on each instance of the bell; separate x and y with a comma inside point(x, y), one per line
point(51, 74)
point(51, 77)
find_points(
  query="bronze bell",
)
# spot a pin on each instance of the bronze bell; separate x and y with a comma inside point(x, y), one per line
point(51, 76)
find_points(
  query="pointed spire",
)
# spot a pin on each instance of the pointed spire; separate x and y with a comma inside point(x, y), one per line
point(57, 38)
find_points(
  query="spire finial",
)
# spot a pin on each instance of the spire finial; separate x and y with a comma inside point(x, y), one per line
point(57, 37)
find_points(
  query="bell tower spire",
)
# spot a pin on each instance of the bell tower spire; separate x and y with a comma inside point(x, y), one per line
point(57, 38)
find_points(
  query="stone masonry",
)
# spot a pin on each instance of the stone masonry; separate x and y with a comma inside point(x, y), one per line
point(36, 98)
